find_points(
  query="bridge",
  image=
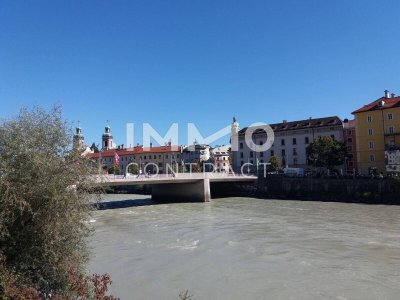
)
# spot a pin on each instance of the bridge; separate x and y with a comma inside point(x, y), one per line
point(178, 186)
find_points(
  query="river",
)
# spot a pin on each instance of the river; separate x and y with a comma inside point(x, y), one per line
point(246, 248)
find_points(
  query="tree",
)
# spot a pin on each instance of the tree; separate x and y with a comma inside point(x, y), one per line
point(113, 169)
point(44, 203)
point(274, 163)
point(133, 169)
point(326, 152)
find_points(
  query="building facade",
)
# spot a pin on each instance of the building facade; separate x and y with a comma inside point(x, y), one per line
point(196, 153)
point(290, 143)
point(349, 138)
point(377, 130)
point(220, 158)
point(148, 160)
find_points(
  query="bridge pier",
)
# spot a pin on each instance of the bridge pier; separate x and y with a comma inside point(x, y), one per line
point(197, 191)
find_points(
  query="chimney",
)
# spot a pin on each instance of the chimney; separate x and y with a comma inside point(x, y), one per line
point(151, 145)
point(393, 95)
point(386, 94)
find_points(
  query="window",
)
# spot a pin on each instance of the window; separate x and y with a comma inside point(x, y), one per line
point(282, 142)
point(369, 119)
point(294, 151)
point(294, 141)
point(371, 145)
point(241, 154)
point(350, 140)
point(307, 140)
point(372, 158)
point(370, 132)
point(251, 153)
point(295, 161)
point(272, 152)
point(283, 152)
point(332, 136)
point(241, 163)
point(261, 142)
point(241, 145)
point(145, 157)
point(261, 154)
point(166, 156)
point(390, 116)
point(391, 130)
point(349, 148)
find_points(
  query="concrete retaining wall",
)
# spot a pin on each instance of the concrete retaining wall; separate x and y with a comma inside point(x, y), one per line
point(344, 190)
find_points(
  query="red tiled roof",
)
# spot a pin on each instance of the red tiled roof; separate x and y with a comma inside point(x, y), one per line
point(303, 124)
point(389, 103)
point(135, 150)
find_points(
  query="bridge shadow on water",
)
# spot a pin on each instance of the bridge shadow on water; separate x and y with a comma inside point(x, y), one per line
point(103, 205)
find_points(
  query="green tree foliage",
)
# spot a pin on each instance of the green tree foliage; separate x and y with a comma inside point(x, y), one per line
point(274, 163)
point(44, 202)
point(114, 169)
point(133, 169)
point(326, 152)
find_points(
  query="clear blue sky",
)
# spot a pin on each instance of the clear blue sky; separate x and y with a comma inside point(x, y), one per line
point(200, 61)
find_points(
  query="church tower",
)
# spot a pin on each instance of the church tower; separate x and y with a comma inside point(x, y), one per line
point(78, 139)
point(107, 139)
point(234, 135)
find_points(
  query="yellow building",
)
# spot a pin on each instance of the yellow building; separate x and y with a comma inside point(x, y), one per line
point(377, 129)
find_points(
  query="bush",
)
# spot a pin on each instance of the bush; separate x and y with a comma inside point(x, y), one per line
point(44, 203)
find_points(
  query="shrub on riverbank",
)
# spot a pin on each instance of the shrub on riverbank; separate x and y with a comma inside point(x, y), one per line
point(44, 203)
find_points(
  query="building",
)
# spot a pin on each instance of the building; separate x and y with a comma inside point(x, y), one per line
point(220, 158)
point(377, 130)
point(291, 141)
point(349, 138)
point(78, 139)
point(149, 160)
point(107, 139)
point(196, 153)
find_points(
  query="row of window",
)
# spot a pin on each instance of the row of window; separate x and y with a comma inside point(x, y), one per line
point(389, 117)
point(129, 158)
point(283, 141)
point(272, 153)
point(390, 130)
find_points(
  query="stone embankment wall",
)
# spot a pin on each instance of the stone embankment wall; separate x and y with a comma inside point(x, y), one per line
point(384, 191)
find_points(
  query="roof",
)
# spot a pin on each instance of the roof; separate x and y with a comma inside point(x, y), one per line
point(303, 124)
point(349, 124)
point(377, 104)
point(135, 150)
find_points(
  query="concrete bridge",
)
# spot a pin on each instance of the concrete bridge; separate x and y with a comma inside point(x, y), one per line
point(179, 186)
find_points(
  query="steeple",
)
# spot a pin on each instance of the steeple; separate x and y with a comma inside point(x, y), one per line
point(234, 134)
point(234, 126)
point(78, 139)
point(107, 138)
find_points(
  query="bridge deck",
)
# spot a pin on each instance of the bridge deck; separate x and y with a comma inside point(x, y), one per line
point(115, 180)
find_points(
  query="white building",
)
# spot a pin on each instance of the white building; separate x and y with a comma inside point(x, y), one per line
point(220, 158)
point(291, 141)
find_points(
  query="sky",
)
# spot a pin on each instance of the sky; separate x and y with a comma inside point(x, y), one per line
point(196, 61)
